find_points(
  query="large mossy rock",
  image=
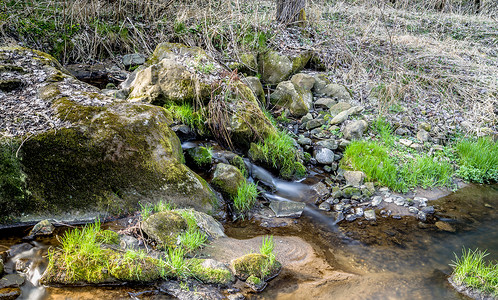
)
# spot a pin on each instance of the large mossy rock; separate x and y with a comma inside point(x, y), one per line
point(276, 67)
point(83, 152)
point(293, 97)
point(255, 264)
point(227, 179)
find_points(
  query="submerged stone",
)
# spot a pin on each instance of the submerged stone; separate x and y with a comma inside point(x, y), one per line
point(287, 209)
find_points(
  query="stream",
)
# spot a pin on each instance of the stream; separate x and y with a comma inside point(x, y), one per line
point(391, 259)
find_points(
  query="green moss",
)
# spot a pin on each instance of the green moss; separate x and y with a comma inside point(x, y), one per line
point(253, 280)
point(257, 265)
point(201, 156)
point(165, 227)
point(210, 275)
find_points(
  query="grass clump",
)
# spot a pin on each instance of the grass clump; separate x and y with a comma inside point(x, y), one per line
point(471, 270)
point(246, 197)
point(146, 210)
point(186, 114)
point(278, 151)
point(397, 172)
point(193, 238)
point(262, 265)
point(478, 160)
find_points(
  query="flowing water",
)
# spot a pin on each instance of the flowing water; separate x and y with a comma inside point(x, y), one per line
point(392, 259)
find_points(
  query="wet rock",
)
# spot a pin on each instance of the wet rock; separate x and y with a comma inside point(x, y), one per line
point(287, 209)
point(445, 226)
point(212, 271)
point(358, 212)
point(304, 81)
point(339, 207)
point(44, 227)
point(127, 242)
point(199, 156)
point(10, 293)
point(320, 190)
point(292, 97)
point(255, 264)
point(370, 215)
point(351, 217)
point(164, 227)
point(389, 199)
point(354, 178)
point(400, 201)
point(184, 132)
point(339, 107)
point(423, 136)
point(429, 210)
point(421, 216)
point(306, 118)
point(420, 201)
point(329, 144)
point(19, 248)
point(193, 290)
point(1, 266)
point(227, 179)
point(135, 59)
point(324, 156)
point(256, 284)
point(11, 281)
point(324, 206)
point(275, 67)
point(355, 130)
point(236, 296)
point(376, 200)
point(95, 74)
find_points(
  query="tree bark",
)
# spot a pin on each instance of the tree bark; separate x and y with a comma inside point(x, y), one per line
point(291, 12)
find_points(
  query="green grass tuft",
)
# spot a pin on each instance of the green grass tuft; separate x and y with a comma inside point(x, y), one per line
point(186, 114)
point(471, 270)
point(193, 238)
point(478, 160)
point(267, 246)
point(245, 200)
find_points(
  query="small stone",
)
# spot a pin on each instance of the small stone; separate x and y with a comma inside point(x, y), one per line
point(389, 200)
point(420, 201)
point(350, 217)
point(354, 178)
point(405, 142)
point(339, 207)
point(416, 146)
point(400, 201)
point(287, 209)
point(324, 206)
point(413, 210)
point(355, 130)
point(311, 124)
point(304, 140)
point(423, 136)
point(370, 215)
point(134, 59)
point(324, 156)
point(376, 200)
point(421, 216)
point(341, 117)
point(428, 210)
point(325, 103)
point(329, 144)
point(44, 227)
point(445, 226)
point(358, 211)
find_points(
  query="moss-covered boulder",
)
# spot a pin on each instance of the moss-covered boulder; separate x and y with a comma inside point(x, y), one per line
point(211, 271)
point(292, 97)
point(227, 179)
point(276, 67)
point(164, 227)
point(206, 223)
point(199, 156)
point(255, 264)
point(257, 88)
point(83, 152)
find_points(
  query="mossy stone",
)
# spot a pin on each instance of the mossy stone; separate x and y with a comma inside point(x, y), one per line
point(210, 271)
point(201, 156)
point(227, 179)
point(255, 264)
point(164, 227)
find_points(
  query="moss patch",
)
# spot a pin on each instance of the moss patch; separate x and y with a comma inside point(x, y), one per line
point(257, 265)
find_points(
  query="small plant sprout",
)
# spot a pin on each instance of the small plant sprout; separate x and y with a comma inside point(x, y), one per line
point(245, 200)
point(267, 246)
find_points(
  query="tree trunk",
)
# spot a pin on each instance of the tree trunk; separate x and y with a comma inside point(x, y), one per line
point(291, 12)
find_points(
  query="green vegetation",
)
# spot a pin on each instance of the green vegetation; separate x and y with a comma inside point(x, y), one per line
point(279, 152)
point(193, 238)
point(267, 246)
point(478, 160)
point(262, 265)
point(247, 193)
point(210, 275)
point(471, 270)
point(147, 209)
point(202, 156)
point(175, 258)
point(398, 172)
point(186, 114)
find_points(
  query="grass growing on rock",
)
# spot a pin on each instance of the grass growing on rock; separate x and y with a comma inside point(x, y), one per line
point(147, 209)
point(247, 193)
point(262, 265)
point(193, 238)
point(471, 270)
point(478, 160)
point(186, 114)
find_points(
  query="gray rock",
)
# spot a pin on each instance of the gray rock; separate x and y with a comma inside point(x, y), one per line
point(296, 99)
point(355, 129)
point(276, 67)
point(324, 156)
point(324, 206)
point(420, 201)
point(304, 81)
point(428, 210)
point(320, 190)
point(306, 118)
point(127, 242)
point(350, 217)
point(354, 178)
point(287, 209)
point(370, 215)
point(304, 140)
point(338, 216)
point(421, 216)
point(311, 124)
point(425, 126)
point(339, 118)
point(416, 146)
point(325, 103)
point(11, 281)
point(329, 144)
point(135, 59)
point(376, 200)
point(413, 210)
point(194, 291)
point(44, 227)
point(400, 201)
point(355, 110)
point(358, 211)
point(388, 199)
point(334, 91)
point(405, 142)
point(423, 136)
point(207, 223)
point(227, 179)
point(339, 207)
point(339, 107)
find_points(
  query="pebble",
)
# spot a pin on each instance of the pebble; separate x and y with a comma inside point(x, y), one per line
point(428, 210)
point(388, 200)
point(370, 215)
point(399, 201)
point(421, 216)
point(413, 210)
point(324, 206)
point(376, 200)
point(350, 217)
